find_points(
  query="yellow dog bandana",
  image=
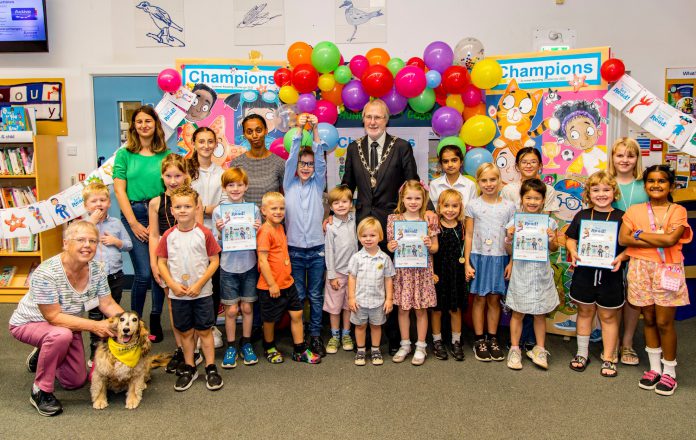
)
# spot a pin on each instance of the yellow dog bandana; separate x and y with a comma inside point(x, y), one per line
point(126, 354)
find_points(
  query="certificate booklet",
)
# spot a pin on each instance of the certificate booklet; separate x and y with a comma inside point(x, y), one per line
point(597, 243)
point(238, 233)
point(411, 251)
point(530, 241)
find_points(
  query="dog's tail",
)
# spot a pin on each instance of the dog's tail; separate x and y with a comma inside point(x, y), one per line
point(159, 360)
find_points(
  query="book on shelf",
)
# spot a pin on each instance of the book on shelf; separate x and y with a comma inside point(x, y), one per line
point(6, 275)
point(17, 161)
point(14, 118)
point(33, 267)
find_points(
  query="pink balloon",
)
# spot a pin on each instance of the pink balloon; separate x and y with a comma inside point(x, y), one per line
point(358, 64)
point(278, 149)
point(471, 95)
point(326, 111)
point(410, 81)
point(169, 80)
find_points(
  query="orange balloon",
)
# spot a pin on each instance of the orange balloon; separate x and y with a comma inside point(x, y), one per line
point(334, 95)
point(479, 109)
point(299, 53)
point(377, 56)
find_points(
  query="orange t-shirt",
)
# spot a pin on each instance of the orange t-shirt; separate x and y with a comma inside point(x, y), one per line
point(272, 239)
point(636, 217)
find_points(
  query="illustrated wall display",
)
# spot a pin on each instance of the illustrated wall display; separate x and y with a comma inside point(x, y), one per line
point(258, 23)
point(45, 95)
point(361, 21)
point(159, 23)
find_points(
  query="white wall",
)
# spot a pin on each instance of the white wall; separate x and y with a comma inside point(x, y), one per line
point(92, 37)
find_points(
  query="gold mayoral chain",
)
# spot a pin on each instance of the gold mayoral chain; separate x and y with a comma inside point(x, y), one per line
point(373, 173)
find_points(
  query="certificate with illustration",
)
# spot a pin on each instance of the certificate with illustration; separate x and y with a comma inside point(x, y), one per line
point(411, 251)
point(238, 232)
point(597, 243)
point(530, 241)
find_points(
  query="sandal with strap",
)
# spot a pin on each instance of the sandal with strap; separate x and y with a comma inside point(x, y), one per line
point(629, 356)
point(608, 369)
point(274, 356)
point(582, 361)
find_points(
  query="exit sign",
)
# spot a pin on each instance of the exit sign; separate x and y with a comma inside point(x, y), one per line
point(554, 48)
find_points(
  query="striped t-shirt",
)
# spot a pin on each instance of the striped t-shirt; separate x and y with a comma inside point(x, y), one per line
point(49, 285)
point(265, 175)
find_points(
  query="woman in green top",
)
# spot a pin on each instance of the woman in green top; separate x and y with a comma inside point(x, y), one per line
point(625, 165)
point(137, 179)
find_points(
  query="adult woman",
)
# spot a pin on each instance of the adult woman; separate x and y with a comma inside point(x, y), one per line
point(626, 166)
point(137, 179)
point(265, 169)
point(47, 317)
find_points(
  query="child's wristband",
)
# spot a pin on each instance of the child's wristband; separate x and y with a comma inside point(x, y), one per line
point(636, 234)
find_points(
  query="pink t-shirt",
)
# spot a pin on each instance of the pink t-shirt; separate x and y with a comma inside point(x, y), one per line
point(637, 218)
point(187, 254)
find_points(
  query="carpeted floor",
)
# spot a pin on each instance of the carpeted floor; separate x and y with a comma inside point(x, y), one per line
point(441, 399)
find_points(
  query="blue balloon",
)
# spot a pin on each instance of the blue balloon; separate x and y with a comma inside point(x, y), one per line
point(475, 158)
point(328, 134)
point(433, 78)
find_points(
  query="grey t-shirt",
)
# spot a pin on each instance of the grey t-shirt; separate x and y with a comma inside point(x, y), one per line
point(265, 175)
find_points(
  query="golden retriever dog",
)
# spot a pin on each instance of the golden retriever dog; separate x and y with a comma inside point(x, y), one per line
point(122, 363)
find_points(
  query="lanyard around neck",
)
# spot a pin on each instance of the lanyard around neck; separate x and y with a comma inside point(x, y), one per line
point(651, 217)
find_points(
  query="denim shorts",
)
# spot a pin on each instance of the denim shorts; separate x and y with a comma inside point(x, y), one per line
point(235, 287)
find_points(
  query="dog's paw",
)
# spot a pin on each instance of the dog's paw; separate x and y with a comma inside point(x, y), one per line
point(100, 404)
point(132, 403)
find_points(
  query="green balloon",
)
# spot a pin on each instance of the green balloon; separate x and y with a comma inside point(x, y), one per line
point(342, 74)
point(287, 139)
point(424, 102)
point(325, 57)
point(451, 140)
point(395, 64)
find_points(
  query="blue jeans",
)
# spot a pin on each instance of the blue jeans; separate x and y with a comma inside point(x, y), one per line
point(308, 269)
point(140, 257)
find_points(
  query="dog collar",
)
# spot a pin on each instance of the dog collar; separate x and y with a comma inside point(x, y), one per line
point(126, 354)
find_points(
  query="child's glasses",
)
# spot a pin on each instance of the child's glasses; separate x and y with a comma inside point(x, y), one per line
point(304, 164)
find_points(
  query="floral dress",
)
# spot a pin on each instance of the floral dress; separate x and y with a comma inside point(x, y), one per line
point(414, 288)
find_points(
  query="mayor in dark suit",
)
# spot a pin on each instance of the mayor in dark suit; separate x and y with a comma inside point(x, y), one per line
point(377, 165)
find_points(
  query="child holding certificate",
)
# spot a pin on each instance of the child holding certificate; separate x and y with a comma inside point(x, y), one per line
point(654, 234)
point(413, 287)
point(532, 289)
point(597, 288)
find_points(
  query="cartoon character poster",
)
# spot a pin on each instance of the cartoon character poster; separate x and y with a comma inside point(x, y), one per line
point(225, 92)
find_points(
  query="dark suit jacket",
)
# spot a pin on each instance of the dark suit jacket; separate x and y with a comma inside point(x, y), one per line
point(395, 170)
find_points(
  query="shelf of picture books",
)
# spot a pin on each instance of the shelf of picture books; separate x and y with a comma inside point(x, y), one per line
point(28, 174)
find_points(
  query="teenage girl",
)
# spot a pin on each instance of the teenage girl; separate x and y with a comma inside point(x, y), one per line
point(174, 174)
point(205, 179)
point(532, 290)
point(528, 163)
point(626, 166)
point(487, 264)
point(451, 159)
point(414, 288)
point(654, 233)
point(449, 271)
point(597, 290)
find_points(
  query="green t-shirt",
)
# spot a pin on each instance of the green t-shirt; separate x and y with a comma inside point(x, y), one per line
point(143, 174)
point(631, 194)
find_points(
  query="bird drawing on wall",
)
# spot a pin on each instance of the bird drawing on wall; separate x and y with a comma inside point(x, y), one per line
point(355, 17)
point(257, 16)
point(164, 23)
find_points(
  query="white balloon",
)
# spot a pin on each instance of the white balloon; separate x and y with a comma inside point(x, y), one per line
point(468, 52)
point(285, 117)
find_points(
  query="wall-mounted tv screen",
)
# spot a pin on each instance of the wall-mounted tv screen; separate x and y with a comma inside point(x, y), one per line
point(23, 26)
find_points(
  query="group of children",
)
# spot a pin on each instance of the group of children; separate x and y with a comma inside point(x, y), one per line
point(470, 247)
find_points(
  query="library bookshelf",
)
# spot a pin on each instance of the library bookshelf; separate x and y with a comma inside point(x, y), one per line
point(45, 177)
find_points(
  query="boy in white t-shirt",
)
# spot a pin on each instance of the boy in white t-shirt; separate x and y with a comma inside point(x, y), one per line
point(187, 259)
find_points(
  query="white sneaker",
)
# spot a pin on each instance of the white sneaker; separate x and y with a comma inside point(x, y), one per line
point(400, 355)
point(217, 338)
point(419, 356)
point(514, 359)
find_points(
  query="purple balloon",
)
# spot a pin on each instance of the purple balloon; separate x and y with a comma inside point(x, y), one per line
point(447, 121)
point(306, 103)
point(438, 56)
point(354, 96)
point(395, 102)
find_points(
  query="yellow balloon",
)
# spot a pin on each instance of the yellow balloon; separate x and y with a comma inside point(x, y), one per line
point(326, 82)
point(478, 130)
point(288, 94)
point(455, 101)
point(486, 74)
